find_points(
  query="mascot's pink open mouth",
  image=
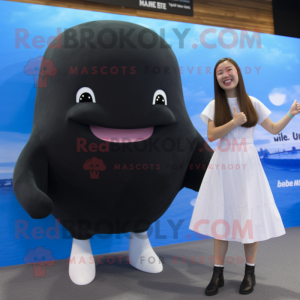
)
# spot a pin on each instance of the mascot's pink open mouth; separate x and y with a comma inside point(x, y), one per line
point(114, 135)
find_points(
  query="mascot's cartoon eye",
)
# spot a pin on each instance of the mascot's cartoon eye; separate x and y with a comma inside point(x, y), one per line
point(85, 94)
point(159, 97)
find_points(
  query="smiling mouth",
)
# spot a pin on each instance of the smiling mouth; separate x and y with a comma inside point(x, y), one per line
point(227, 82)
point(114, 135)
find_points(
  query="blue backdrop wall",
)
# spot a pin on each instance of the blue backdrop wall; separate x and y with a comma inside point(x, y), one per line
point(271, 71)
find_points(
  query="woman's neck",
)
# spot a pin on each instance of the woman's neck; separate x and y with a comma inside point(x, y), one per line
point(231, 93)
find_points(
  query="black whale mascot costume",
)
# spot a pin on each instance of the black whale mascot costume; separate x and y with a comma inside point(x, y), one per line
point(112, 143)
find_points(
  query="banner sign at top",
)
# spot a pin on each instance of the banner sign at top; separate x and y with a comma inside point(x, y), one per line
point(176, 7)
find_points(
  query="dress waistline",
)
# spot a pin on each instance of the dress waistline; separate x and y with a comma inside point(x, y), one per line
point(238, 142)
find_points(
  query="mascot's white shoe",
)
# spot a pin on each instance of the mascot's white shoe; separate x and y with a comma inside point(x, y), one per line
point(141, 254)
point(82, 267)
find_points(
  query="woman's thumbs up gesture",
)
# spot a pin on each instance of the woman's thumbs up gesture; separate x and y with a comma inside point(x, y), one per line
point(239, 118)
point(295, 108)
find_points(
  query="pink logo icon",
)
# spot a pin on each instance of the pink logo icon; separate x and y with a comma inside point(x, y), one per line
point(40, 67)
point(94, 165)
point(39, 258)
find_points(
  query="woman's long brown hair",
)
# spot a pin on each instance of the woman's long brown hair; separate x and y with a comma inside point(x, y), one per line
point(222, 111)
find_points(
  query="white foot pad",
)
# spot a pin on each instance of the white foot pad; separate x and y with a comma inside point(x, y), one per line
point(141, 254)
point(82, 268)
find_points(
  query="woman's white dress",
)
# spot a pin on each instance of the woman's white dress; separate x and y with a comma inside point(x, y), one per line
point(235, 201)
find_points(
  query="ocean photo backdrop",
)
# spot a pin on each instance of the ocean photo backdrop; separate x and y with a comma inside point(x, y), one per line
point(271, 71)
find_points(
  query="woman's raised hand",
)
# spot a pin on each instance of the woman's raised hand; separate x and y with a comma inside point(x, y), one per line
point(295, 108)
point(239, 118)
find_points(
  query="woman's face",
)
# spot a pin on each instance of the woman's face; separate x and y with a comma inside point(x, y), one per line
point(227, 75)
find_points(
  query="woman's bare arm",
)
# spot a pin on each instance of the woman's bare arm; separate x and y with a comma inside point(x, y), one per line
point(275, 128)
point(214, 133)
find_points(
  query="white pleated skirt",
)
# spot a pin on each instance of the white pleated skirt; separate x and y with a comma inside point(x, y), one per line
point(235, 201)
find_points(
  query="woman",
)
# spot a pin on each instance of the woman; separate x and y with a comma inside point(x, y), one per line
point(235, 194)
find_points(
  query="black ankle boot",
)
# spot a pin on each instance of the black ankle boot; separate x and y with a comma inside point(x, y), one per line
point(249, 280)
point(217, 281)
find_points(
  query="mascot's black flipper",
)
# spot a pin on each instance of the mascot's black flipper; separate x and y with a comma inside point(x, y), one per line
point(198, 164)
point(30, 179)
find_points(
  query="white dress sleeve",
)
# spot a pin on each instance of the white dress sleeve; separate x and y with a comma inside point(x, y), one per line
point(262, 111)
point(208, 112)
